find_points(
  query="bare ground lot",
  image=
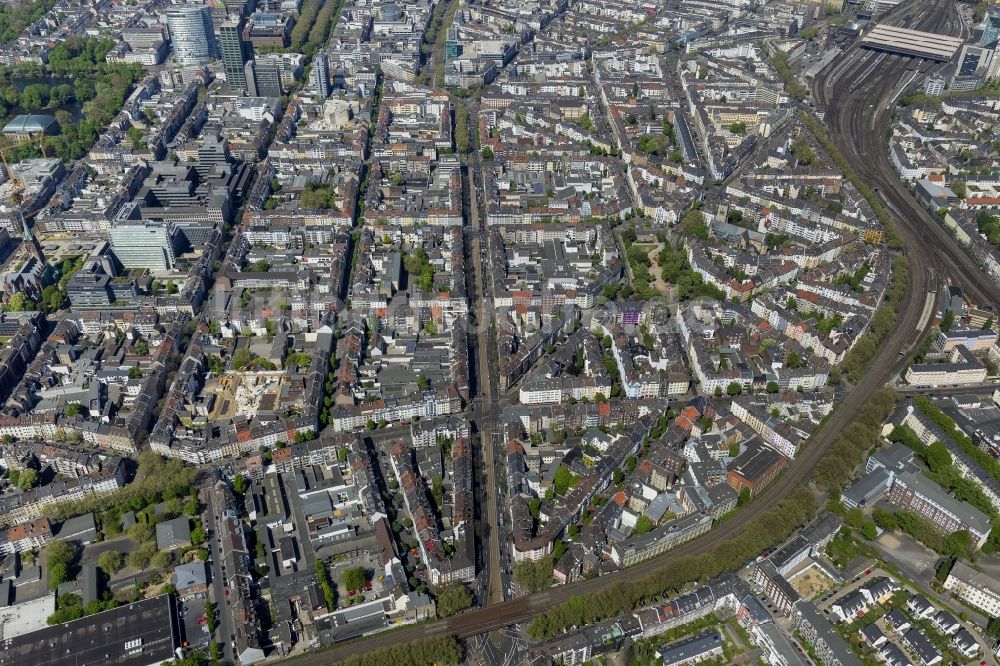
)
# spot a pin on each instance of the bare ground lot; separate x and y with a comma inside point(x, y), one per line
point(812, 582)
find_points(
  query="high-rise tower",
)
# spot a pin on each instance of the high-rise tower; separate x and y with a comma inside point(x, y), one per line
point(192, 36)
point(236, 53)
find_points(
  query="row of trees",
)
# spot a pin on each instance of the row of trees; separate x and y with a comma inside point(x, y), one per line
point(440, 651)
point(534, 576)
point(771, 528)
point(453, 599)
point(325, 584)
point(60, 557)
point(942, 471)
point(989, 226)
point(854, 442)
point(863, 186)
point(316, 20)
point(37, 96)
point(948, 476)
point(157, 480)
point(434, 38)
point(70, 607)
point(463, 130)
point(955, 545)
point(779, 60)
point(943, 421)
point(321, 27)
point(857, 361)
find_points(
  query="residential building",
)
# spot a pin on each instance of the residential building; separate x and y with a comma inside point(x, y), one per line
point(830, 648)
point(974, 587)
point(915, 492)
point(701, 647)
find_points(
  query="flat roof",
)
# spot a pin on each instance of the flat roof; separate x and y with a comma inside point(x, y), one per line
point(138, 634)
point(912, 42)
point(26, 617)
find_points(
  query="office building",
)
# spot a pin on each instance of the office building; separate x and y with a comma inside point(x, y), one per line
point(452, 49)
point(991, 29)
point(142, 244)
point(976, 64)
point(934, 86)
point(192, 36)
point(320, 76)
point(268, 29)
point(267, 72)
point(236, 54)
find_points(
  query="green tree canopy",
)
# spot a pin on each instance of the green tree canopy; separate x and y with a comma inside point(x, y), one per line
point(111, 561)
point(353, 578)
point(937, 456)
point(453, 599)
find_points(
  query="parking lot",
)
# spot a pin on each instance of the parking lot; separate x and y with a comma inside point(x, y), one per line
point(192, 612)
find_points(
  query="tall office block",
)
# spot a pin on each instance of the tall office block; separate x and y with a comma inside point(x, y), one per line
point(451, 45)
point(267, 72)
point(235, 54)
point(321, 75)
point(143, 244)
point(192, 36)
point(991, 29)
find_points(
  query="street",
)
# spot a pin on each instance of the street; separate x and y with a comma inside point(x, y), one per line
point(218, 591)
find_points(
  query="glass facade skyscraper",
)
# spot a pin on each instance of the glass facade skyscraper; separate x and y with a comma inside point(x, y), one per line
point(191, 35)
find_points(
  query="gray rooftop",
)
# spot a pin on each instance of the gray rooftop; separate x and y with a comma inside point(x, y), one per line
point(173, 533)
point(965, 512)
point(689, 649)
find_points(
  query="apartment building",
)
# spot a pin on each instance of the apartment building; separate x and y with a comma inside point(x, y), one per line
point(961, 368)
point(975, 588)
point(917, 493)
